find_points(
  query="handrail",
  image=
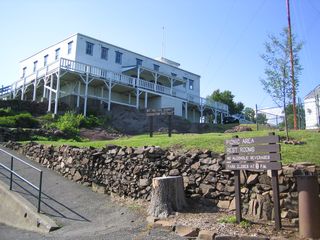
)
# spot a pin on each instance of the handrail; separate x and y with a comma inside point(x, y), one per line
point(12, 172)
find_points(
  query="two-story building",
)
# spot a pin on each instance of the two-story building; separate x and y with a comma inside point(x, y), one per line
point(87, 73)
point(312, 108)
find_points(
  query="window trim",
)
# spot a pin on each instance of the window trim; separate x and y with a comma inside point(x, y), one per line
point(89, 44)
point(70, 44)
point(106, 53)
point(139, 62)
point(35, 63)
point(118, 53)
point(191, 86)
point(156, 67)
point(57, 54)
point(24, 70)
point(45, 60)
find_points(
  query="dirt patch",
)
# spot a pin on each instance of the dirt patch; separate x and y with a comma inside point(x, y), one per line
point(203, 214)
point(99, 134)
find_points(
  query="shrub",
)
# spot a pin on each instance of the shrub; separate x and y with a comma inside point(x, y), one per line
point(6, 112)
point(91, 121)
point(69, 123)
point(21, 120)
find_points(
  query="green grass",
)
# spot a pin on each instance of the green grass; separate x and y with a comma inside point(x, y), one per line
point(308, 152)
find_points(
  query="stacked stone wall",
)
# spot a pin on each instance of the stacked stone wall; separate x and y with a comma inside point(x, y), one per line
point(128, 171)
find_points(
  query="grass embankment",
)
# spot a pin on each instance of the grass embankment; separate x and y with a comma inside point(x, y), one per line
point(308, 152)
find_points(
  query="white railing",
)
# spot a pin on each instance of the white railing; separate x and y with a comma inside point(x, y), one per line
point(83, 68)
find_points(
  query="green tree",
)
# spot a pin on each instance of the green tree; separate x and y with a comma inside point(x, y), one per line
point(249, 114)
point(227, 97)
point(277, 81)
point(301, 116)
point(262, 118)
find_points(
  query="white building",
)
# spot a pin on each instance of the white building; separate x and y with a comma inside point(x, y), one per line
point(311, 108)
point(88, 73)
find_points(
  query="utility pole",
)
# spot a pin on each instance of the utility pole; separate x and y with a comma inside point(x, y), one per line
point(292, 69)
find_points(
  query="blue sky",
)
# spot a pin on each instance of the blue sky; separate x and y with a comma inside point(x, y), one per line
point(221, 40)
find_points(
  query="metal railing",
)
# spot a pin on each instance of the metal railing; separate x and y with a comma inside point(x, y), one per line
point(12, 172)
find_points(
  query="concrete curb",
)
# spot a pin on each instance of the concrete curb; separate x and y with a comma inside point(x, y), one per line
point(18, 212)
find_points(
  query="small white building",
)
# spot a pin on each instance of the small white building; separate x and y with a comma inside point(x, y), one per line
point(312, 109)
point(85, 73)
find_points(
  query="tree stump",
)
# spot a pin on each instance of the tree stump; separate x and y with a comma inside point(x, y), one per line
point(167, 196)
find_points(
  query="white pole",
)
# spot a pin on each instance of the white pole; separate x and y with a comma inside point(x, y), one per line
point(57, 93)
point(78, 96)
point(146, 100)
point(186, 110)
point(86, 94)
point(35, 88)
point(109, 95)
point(137, 98)
point(50, 93)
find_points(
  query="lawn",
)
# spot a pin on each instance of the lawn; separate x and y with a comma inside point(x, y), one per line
point(308, 152)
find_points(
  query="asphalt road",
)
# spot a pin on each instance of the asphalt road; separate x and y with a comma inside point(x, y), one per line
point(81, 213)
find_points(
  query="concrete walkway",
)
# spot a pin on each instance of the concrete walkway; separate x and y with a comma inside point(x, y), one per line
point(82, 213)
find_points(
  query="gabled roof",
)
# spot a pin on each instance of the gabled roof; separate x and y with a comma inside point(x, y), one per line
point(313, 93)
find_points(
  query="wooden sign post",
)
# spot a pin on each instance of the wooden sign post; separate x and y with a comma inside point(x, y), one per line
point(254, 154)
point(160, 112)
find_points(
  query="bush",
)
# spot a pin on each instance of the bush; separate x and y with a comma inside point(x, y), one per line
point(91, 121)
point(69, 123)
point(6, 112)
point(21, 120)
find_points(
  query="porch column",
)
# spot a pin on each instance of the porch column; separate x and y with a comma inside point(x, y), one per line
point(138, 77)
point(145, 100)
point(50, 93)
point(23, 88)
point(35, 88)
point(101, 102)
point(109, 95)
point(194, 115)
point(155, 81)
point(186, 110)
point(201, 114)
point(44, 88)
point(86, 94)
point(57, 93)
point(129, 100)
point(137, 98)
point(78, 95)
point(216, 117)
point(171, 85)
point(221, 118)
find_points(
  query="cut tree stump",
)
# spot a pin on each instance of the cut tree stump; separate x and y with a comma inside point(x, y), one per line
point(167, 196)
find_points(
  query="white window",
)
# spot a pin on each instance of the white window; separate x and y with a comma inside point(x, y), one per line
point(57, 54)
point(191, 82)
point(70, 47)
point(118, 57)
point(89, 48)
point(45, 60)
point(138, 62)
point(35, 66)
point(156, 67)
point(24, 72)
point(104, 53)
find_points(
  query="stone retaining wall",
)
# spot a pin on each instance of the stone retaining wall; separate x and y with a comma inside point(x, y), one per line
point(128, 171)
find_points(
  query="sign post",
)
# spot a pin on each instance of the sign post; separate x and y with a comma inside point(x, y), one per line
point(254, 154)
point(160, 112)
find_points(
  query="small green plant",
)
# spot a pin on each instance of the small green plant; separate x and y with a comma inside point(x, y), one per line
point(21, 120)
point(245, 223)
point(6, 112)
point(228, 219)
point(69, 123)
point(233, 220)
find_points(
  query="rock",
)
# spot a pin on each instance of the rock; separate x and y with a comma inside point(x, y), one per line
point(206, 235)
point(252, 179)
point(232, 205)
point(174, 172)
point(98, 188)
point(144, 182)
point(206, 188)
point(186, 231)
point(226, 237)
point(77, 176)
point(223, 204)
point(165, 224)
point(151, 219)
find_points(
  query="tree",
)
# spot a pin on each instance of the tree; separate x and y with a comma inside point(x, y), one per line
point(262, 118)
point(249, 114)
point(227, 97)
point(301, 116)
point(277, 82)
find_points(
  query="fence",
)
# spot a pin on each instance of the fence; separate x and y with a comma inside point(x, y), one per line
point(13, 173)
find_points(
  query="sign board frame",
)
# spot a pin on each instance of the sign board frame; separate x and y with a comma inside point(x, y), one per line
point(169, 111)
point(255, 154)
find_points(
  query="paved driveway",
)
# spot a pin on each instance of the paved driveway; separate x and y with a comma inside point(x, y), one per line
point(82, 213)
